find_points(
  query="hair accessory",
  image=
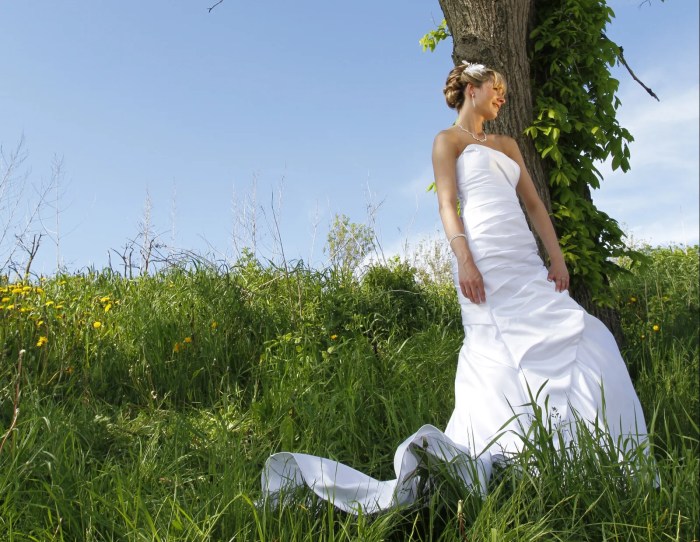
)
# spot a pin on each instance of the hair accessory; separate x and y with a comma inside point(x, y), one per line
point(473, 66)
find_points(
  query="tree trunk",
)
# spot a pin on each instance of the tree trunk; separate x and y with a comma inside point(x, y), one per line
point(495, 33)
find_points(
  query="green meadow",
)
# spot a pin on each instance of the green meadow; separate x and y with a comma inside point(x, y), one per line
point(145, 408)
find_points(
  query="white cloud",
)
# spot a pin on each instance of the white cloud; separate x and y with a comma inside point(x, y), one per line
point(657, 200)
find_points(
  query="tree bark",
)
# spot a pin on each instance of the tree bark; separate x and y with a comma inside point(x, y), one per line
point(495, 33)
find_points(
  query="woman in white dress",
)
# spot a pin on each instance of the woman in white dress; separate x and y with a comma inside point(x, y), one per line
point(524, 335)
point(527, 343)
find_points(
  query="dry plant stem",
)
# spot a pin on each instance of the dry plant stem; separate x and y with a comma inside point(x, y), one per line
point(31, 252)
point(460, 519)
point(15, 414)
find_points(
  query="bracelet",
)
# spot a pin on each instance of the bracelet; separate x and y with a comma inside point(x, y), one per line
point(455, 237)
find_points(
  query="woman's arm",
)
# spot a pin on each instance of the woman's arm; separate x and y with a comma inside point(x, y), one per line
point(537, 212)
point(445, 153)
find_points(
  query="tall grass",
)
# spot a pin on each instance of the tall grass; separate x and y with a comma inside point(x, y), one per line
point(149, 406)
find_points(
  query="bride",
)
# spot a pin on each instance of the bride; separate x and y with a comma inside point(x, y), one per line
point(527, 344)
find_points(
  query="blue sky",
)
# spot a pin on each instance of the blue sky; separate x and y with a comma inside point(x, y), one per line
point(302, 110)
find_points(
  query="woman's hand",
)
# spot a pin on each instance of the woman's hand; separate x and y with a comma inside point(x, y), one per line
point(471, 282)
point(559, 275)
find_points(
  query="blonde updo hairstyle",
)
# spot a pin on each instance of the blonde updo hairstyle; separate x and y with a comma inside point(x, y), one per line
point(477, 75)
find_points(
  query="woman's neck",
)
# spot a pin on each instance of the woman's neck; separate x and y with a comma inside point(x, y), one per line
point(470, 121)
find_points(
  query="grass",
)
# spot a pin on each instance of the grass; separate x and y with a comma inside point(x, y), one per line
point(149, 406)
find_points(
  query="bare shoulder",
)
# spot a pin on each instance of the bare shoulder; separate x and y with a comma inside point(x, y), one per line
point(508, 146)
point(446, 144)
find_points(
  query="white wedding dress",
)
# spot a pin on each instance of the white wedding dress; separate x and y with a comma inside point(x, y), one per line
point(526, 343)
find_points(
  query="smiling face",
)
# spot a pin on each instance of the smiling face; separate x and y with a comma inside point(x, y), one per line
point(488, 99)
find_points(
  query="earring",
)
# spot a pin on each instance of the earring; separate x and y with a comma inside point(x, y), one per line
point(473, 102)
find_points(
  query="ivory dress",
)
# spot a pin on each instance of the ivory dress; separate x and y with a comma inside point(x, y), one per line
point(526, 342)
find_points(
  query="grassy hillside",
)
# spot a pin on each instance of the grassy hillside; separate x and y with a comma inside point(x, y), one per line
point(147, 407)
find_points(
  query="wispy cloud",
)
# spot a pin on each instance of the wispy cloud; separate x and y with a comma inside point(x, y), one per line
point(657, 200)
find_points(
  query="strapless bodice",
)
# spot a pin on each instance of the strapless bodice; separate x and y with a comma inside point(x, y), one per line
point(494, 222)
point(486, 176)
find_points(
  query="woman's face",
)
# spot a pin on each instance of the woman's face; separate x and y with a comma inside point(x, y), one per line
point(488, 100)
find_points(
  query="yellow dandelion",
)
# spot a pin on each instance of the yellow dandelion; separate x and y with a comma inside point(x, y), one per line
point(39, 322)
point(104, 299)
point(97, 325)
point(187, 340)
point(214, 325)
point(69, 370)
point(655, 327)
point(48, 303)
point(108, 306)
point(5, 299)
point(39, 290)
point(334, 337)
point(59, 307)
point(633, 299)
point(16, 291)
point(24, 309)
point(26, 289)
point(177, 347)
point(42, 341)
point(10, 307)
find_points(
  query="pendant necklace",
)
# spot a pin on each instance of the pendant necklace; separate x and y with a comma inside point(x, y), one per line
point(470, 133)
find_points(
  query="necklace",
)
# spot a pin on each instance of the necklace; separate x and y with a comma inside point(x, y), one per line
point(471, 134)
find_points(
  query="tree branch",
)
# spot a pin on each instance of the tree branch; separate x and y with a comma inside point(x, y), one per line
point(212, 7)
point(621, 57)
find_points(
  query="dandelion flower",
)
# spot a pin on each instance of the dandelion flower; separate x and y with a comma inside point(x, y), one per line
point(48, 303)
point(108, 307)
point(5, 299)
point(10, 307)
point(177, 347)
point(97, 325)
point(104, 299)
point(42, 341)
point(214, 325)
point(633, 299)
point(655, 327)
point(187, 340)
point(334, 337)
